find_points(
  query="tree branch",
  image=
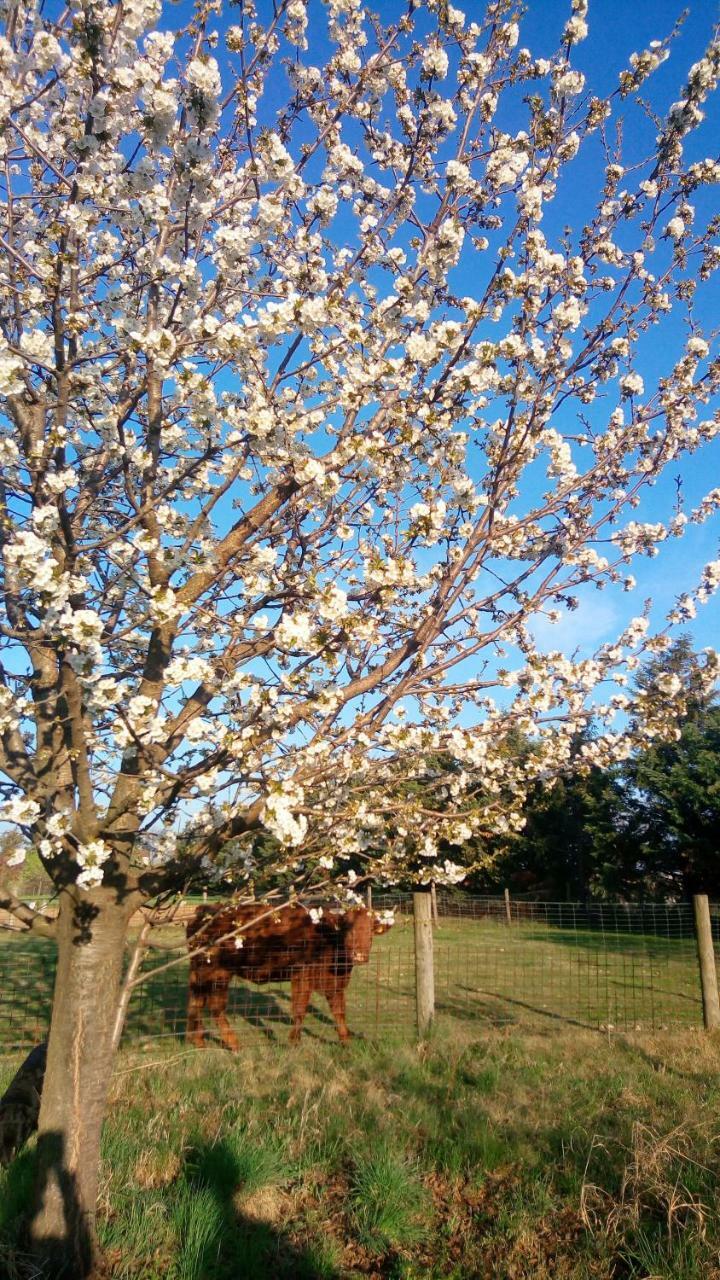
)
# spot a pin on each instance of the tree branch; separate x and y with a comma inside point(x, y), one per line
point(35, 921)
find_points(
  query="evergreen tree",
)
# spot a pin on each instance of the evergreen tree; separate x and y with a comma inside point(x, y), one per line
point(673, 788)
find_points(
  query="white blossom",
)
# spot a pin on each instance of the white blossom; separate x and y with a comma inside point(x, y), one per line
point(289, 828)
point(91, 858)
point(19, 809)
point(632, 384)
point(203, 74)
point(435, 61)
point(295, 631)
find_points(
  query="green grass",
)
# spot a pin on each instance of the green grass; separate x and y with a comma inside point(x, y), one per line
point(388, 1199)
point(485, 973)
point(516, 1154)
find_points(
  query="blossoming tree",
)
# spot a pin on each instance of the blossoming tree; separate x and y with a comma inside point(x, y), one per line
point(308, 404)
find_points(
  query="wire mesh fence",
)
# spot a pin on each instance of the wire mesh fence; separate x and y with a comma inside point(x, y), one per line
point(598, 965)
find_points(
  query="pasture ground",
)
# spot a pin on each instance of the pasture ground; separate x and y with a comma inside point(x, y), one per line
point(485, 974)
point(506, 1152)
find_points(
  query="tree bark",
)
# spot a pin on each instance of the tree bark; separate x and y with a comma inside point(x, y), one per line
point(92, 929)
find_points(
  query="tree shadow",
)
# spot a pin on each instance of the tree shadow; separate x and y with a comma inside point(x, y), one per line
point(34, 1175)
point(630, 944)
point(236, 1244)
point(532, 1008)
point(658, 1063)
point(485, 1010)
point(160, 1009)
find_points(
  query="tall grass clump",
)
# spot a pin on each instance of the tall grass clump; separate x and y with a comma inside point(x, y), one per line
point(197, 1219)
point(387, 1200)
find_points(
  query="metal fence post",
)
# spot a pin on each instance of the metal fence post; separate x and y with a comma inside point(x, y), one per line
point(424, 970)
point(706, 959)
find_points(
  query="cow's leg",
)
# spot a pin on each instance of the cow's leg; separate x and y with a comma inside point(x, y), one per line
point(217, 1004)
point(197, 999)
point(301, 988)
point(335, 995)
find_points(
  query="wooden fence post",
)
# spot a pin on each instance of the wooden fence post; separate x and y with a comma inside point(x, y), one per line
point(433, 899)
point(368, 897)
point(706, 959)
point(508, 910)
point(424, 971)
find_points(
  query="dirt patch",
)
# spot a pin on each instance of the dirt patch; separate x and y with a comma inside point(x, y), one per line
point(546, 1250)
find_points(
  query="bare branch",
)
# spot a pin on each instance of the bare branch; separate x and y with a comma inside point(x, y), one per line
point(35, 922)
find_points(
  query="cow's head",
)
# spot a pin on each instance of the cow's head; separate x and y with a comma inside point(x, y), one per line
point(360, 927)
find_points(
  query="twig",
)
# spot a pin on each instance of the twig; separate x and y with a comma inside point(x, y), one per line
point(162, 1062)
point(35, 921)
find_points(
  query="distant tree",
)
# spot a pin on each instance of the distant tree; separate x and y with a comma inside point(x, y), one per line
point(12, 855)
point(569, 845)
point(679, 669)
point(673, 787)
point(647, 828)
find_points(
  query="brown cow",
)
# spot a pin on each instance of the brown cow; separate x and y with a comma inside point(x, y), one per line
point(313, 953)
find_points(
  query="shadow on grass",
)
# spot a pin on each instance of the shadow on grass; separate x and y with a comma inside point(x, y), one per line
point(234, 1243)
point(501, 1020)
point(160, 1009)
point(630, 944)
point(71, 1255)
point(489, 1011)
point(217, 1239)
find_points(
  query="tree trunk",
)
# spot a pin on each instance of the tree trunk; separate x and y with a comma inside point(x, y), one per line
point(91, 938)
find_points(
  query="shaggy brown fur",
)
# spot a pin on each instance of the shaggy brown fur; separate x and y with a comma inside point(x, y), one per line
point(286, 946)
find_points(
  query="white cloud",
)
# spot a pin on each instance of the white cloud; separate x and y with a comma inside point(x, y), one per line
point(584, 628)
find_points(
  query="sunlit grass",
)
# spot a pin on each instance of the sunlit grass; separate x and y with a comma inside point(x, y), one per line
point(485, 973)
point(514, 1154)
point(387, 1199)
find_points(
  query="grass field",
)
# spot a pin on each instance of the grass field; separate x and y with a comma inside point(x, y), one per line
point(508, 1153)
point(485, 975)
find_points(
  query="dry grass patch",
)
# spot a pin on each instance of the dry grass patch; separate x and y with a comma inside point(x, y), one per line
point(270, 1204)
point(156, 1167)
point(659, 1183)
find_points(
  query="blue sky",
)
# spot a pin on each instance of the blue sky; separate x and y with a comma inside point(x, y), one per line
point(617, 29)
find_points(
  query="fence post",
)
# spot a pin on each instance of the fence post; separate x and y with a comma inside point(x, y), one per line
point(424, 971)
point(508, 912)
point(433, 899)
point(706, 958)
point(368, 897)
